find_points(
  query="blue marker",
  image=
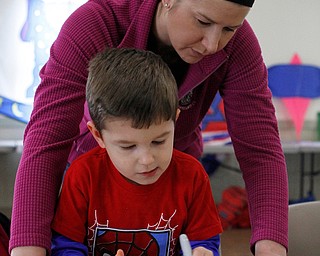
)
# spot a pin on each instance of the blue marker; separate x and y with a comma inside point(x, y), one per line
point(185, 245)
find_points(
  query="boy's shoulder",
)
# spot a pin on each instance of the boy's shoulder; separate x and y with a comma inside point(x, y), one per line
point(187, 168)
point(185, 159)
point(86, 161)
point(88, 164)
point(179, 154)
point(91, 155)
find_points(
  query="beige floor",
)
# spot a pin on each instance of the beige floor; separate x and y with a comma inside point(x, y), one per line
point(235, 242)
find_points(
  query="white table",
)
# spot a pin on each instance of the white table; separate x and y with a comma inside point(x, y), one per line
point(302, 148)
point(7, 146)
point(11, 134)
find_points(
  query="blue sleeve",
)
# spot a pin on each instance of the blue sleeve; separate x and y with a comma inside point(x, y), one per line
point(63, 246)
point(211, 244)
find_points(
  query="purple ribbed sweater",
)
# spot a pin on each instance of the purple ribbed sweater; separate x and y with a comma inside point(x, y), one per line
point(238, 72)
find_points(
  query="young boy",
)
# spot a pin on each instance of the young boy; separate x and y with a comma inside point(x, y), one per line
point(135, 194)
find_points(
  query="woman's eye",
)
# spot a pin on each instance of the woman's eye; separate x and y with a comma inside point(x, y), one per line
point(229, 29)
point(203, 22)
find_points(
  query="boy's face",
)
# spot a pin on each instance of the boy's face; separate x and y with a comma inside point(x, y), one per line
point(140, 155)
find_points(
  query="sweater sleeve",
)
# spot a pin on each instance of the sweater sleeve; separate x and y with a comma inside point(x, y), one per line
point(254, 132)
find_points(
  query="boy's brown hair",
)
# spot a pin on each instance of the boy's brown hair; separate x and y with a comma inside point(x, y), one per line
point(133, 84)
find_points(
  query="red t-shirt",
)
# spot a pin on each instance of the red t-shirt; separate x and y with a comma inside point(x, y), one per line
point(100, 207)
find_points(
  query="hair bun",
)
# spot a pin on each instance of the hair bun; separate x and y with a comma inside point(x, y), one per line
point(248, 3)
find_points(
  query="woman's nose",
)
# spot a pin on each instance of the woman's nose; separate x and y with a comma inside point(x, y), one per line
point(211, 41)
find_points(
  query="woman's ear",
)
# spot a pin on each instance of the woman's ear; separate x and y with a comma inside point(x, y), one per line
point(178, 113)
point(166, 3)
point(96, 134)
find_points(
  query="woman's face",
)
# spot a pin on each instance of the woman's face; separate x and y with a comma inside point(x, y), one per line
point(196, 28)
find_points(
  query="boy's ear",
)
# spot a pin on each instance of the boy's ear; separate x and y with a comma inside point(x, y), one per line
point(178, 113)
point(96, 134)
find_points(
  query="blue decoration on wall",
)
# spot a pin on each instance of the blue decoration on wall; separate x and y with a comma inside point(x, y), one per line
point(15, 110)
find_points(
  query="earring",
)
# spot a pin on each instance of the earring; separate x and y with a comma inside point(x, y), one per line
point(166, 5)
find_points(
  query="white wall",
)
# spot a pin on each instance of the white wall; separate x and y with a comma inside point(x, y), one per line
point(285, 27)
point(20, 56)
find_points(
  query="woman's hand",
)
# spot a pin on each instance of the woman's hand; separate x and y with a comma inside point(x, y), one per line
point(28, 251)
point(269, 248)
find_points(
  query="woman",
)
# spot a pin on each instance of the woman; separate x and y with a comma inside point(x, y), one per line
point(209, 46)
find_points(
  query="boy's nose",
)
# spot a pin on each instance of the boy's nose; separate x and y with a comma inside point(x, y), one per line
point(146, 158)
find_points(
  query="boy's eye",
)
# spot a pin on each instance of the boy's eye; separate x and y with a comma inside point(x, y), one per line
point(127, 147)
point(158, 142)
